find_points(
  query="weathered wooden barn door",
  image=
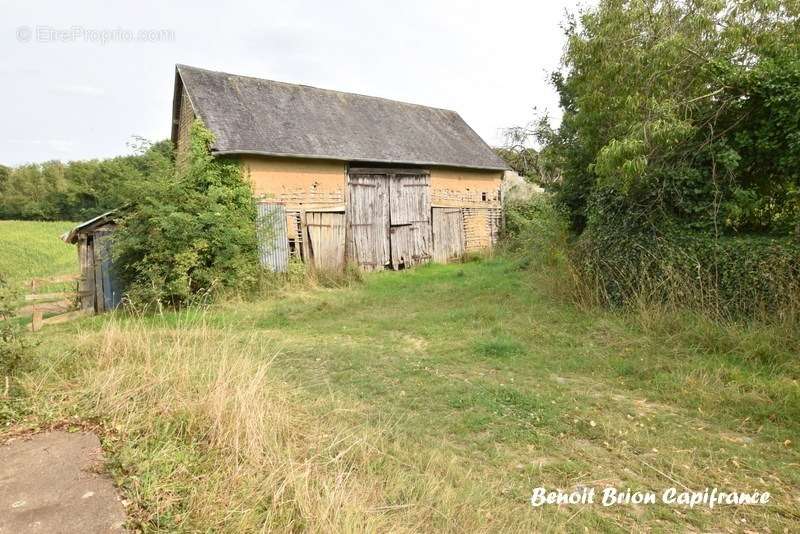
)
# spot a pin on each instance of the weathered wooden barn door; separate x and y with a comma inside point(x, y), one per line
point(448, 234)
point(410, 218)
point(273, 241)
point(326, 235)
point(368, 219)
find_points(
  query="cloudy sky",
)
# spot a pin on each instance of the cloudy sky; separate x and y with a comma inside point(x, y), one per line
point(81, 78)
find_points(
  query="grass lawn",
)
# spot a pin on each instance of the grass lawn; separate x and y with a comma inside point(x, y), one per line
point(34, 249)
point(431, 399)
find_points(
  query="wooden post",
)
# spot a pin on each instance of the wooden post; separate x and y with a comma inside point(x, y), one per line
point(307, 252)
point(36, 319)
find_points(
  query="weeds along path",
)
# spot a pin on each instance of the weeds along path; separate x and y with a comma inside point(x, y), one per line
point(431, 399)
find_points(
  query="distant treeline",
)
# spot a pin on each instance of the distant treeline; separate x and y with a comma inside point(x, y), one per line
point(78, 190)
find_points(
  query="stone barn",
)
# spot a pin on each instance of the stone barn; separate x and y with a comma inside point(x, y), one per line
point(347, 177)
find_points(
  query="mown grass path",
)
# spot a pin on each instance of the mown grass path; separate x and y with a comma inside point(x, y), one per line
point(475, 362)
point(481, 388)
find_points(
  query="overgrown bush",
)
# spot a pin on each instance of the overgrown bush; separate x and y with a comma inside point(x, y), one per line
point(728, 277)
point(536, 235)
point(191, 232)
point(677, 155)
point(624, 266)
point(536, 230)
point(13, 345)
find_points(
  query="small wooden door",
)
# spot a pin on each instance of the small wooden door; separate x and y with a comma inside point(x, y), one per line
point(368, 219)
point(410, 218)
point(448, 234)
point(326, 233)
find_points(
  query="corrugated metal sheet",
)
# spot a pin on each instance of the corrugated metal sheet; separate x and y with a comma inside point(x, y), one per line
point(273, 241)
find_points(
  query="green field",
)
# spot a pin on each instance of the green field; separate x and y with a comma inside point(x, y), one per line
point(430, 399)
point(34, 249)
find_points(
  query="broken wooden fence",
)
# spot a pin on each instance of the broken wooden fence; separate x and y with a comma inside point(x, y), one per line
point(62, 306)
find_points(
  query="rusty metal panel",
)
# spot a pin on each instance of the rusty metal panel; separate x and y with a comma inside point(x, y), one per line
point(273, 242)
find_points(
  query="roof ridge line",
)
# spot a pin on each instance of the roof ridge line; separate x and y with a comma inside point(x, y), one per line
point(179, 65)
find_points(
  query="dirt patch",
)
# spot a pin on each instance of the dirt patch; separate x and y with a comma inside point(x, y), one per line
point(51, 482)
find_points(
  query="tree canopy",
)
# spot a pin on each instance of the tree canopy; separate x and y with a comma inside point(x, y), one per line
point(680, 112)
point(78, 190)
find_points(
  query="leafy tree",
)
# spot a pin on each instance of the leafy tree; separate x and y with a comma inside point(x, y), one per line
point(681, 112)
point(78, 190)
point(538, 166)
point(190, 231)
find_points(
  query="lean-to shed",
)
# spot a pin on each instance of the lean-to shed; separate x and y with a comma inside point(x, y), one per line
point(99, 287)
point(382, 183)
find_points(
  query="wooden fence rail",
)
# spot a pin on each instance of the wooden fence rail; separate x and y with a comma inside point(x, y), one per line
point(62, 303)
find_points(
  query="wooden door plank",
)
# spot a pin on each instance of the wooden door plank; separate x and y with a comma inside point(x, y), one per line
point(448, 234)
point(410, 218)
point(368, 220)
point(326, 233)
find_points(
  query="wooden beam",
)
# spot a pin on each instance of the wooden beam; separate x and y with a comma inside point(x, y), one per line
point(65, 317)
point(50, 296)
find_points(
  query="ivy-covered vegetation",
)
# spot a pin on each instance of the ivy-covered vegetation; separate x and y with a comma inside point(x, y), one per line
point(678, 154)
point(191, 230)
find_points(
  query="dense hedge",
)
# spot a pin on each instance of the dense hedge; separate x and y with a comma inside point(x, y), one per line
point(731, 276)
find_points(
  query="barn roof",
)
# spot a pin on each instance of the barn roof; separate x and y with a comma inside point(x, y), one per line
point(254, 116)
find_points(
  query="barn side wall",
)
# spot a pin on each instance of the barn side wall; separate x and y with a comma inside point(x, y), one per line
point(465, 187)
point(477, 194)
point(298, 183)
point(185, 119)
point(320, 185)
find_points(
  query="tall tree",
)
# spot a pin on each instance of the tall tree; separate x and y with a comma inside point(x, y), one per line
point(681, 111)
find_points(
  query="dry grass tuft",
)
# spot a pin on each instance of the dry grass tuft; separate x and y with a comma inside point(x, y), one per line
point(211, 439)
point(242, 450)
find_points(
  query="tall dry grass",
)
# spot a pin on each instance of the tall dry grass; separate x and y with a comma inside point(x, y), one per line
point(211, 438)
point(250, 451)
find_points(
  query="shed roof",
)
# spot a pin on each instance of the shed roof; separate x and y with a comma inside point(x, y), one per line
point(255, 116)
point(88, 226)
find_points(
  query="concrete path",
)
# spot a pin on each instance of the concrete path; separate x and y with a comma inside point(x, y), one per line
point(49, 483)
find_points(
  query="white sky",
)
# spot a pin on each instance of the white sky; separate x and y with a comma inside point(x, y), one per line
point(73, 97)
